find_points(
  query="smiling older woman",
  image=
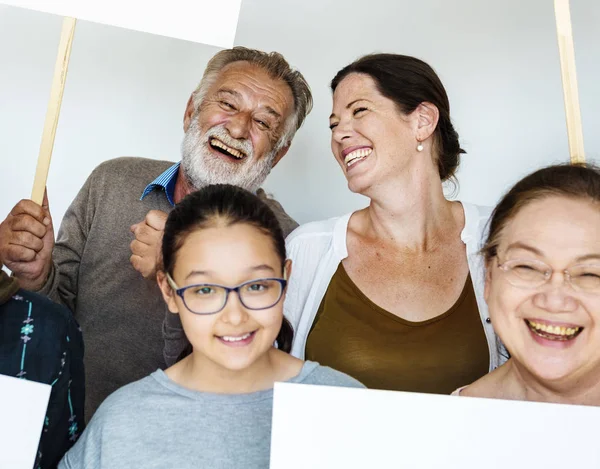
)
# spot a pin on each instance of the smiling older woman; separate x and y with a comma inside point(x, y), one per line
point(393, 294)
point(543, 288)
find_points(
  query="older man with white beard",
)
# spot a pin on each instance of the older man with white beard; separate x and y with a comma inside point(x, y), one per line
point(238, 124)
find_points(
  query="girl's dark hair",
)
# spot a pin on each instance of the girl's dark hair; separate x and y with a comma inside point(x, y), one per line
point(573, 180)
point(223, 205)
point(408, 82)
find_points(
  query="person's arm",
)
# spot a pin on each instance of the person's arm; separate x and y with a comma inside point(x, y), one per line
point(305, 260)
point(174, 336)
point(61, 285)
point(87, 452)
point(287, 223)
point(65, 420)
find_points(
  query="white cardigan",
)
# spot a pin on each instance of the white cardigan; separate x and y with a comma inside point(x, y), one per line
point(317, 248)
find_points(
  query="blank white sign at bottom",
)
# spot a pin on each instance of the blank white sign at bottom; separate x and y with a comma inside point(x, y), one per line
point(23, 407)
point(322, 427)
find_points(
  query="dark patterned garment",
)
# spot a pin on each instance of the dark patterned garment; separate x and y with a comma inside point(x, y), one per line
point(41, 341)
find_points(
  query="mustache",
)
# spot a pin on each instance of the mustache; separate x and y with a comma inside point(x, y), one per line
point(220, 133)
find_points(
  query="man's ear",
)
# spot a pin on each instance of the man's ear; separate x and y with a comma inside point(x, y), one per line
point(167, 292)
point(189, 112)
point(280, 154)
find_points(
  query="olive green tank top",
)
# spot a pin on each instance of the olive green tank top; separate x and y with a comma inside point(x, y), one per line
point(383, 351)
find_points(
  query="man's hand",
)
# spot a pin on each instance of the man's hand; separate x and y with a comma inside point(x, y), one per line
point(145, 248)
point(26, 243)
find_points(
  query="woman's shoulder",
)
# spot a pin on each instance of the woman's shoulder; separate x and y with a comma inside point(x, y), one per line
point(489, 385)
point(457, 392)
point(314, 373)
point(477, 219)
point(476, 212)
point(317, 229)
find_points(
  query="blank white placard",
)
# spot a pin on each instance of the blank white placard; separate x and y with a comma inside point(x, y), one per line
point(322, 427)
point(23, 407)
point(211, 22)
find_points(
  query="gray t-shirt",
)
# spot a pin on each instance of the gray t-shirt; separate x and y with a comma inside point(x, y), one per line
point(155, 423)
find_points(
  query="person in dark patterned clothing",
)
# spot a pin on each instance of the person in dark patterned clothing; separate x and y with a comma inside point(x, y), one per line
point(41, 341)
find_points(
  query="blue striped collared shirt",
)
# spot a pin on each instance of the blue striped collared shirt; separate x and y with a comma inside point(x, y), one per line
point(165, 181)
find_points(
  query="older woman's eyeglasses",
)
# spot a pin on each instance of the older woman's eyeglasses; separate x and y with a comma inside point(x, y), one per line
point(208, 298)
point(530, 273)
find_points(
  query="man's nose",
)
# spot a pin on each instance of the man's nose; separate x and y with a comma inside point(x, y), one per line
point(238, 125)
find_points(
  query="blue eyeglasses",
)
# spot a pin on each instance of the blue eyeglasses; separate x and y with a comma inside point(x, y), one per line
point(208, 298)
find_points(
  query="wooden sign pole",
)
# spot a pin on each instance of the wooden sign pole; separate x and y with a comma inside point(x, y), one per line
point(51, 123)
point(569, 80)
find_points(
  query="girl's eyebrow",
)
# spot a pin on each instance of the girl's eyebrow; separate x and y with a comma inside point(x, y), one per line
point(198, 272)
point(261, 267)
point(250, 269)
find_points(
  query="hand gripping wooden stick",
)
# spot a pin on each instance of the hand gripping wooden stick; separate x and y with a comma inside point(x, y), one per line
point(569, 80)
point(51, 123)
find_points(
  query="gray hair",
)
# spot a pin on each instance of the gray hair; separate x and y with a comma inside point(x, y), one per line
point(278, 68)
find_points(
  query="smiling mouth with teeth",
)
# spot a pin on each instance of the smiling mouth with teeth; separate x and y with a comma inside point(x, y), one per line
point(226, 149)
point(356, 156)
point(240, 338)
point(559, 333)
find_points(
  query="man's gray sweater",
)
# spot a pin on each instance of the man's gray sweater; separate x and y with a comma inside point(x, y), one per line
point(120, 312)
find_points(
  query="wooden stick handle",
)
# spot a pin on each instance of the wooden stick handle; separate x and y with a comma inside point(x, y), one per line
point(569, 80)
point(51, 123)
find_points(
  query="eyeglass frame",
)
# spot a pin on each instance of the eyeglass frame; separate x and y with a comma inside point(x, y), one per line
point(548, 274)
point(180, 292)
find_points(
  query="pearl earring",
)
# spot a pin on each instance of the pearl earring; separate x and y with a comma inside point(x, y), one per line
point(420, 147)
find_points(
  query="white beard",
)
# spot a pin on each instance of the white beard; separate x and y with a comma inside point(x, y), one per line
point(203, 168)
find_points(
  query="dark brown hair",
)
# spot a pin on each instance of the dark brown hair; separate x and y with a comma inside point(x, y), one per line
point(408, 82)
point(573, 180)
point(224, 204)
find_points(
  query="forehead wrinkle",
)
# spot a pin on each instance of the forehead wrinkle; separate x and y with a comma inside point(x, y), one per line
point(271, 94)
point(229, 91)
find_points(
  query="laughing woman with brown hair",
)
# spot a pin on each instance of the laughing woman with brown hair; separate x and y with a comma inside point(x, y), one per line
point(393, 294)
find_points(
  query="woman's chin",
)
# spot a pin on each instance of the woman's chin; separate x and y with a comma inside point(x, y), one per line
point(550, 369)
point(358, 186)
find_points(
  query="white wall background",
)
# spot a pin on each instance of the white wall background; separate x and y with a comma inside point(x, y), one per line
point(126, 91)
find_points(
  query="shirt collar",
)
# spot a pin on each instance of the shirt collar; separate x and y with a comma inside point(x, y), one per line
point(166, 181)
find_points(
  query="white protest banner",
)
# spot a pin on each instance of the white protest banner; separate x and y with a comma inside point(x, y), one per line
point(22, 412)
point(215, 27)
point(205, 21)
point(322, 427)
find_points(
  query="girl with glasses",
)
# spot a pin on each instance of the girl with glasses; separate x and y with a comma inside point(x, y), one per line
point(542, 287)
point(225, 274)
